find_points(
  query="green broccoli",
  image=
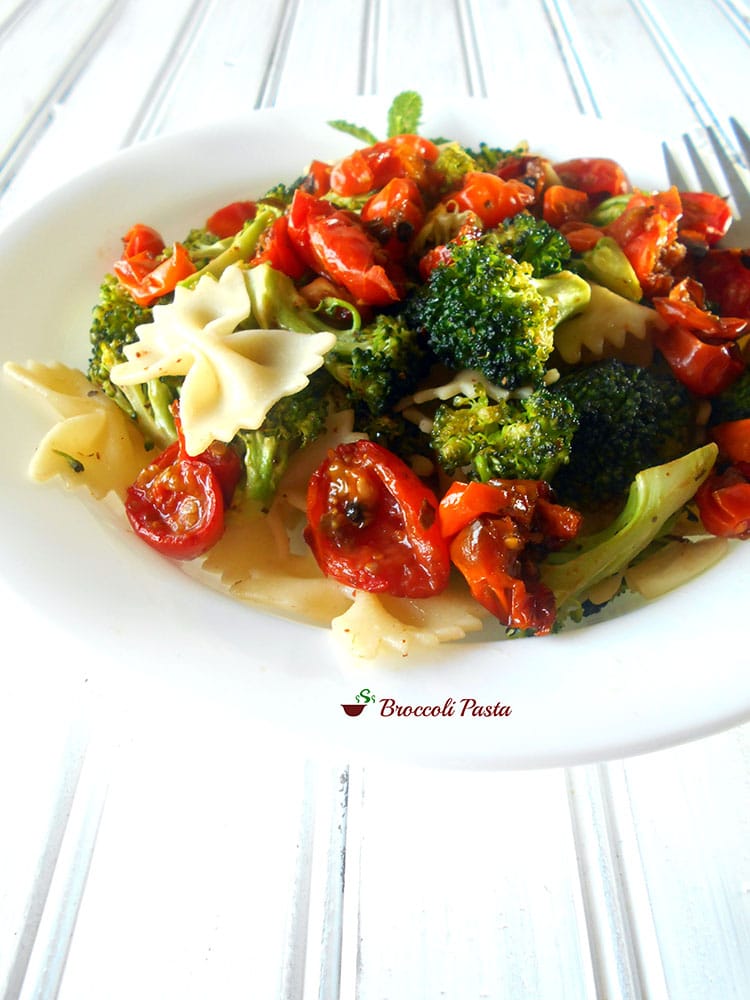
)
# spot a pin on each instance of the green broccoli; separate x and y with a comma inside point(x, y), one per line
point(113, 326)
point(535, 242)
point(629, 418)
point(524, 438)
point(234, 249)
point(484, 310)
point(276, 303)
point(380, 363)
point(291, 423)
point(656, 495)
point(491, 157)
point(733, 403)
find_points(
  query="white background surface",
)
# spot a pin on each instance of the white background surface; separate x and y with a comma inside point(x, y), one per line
point(153, 847)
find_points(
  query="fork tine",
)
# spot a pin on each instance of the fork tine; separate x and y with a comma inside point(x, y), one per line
point(743, 139)
point(674, 172)
point(738, 185)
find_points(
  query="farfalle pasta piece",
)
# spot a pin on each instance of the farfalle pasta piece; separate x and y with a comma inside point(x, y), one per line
point(610, 326)
point(374, 623)
point(232, 377)
point(255, 561)
point(94, 444)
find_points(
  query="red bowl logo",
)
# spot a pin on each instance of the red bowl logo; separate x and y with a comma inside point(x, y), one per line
point(353, 709)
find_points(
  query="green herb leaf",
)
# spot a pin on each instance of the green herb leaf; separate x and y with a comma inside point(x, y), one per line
point(357, 131)
point(405, 114)
point(74, 464)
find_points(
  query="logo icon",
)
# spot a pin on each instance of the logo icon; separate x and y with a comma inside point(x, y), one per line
point(360, 703)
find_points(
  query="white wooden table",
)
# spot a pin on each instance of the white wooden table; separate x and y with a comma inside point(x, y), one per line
point(149, 851)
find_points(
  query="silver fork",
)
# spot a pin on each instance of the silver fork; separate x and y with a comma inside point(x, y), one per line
point(704, 160)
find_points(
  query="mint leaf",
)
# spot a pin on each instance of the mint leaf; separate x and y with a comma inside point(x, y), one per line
point(357, 131)
point(405, 114)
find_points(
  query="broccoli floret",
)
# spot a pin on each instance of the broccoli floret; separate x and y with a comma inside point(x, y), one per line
point(453, 161)
point(290, 424)
point(203, 246)
point(113, 326)
point(491, 157)
point(733, 403)
point(534, 241)
point(380, 363)
point(527, 438)
point(655, 496)
point(629, 418)
point(234, 249)
point(484, 310)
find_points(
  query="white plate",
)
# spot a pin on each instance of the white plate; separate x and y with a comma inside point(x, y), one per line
point(665, 673)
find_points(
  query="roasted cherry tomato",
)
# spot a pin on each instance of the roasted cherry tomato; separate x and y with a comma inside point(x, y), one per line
point(317, 181)
point(706, 369)
point(223, 459)
point(647, 232)
point(581, 235)
point(723, 502)
point(176, 505)
point(531, 170)
point(334, 243)
point(705, 217)
point(490, 197)
point(228, 221)
point(562, 204)
point(496, 532)
point(733, 439)
point(372, 523)
point(725, 275)
point(597, 176)
point(370, 169)
point(148, 274)
point(394, 214)
point(141, 239)
point(686, 306)
point(276, 248)
point(488, 553)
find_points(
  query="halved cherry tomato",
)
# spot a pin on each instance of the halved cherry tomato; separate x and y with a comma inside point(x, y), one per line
point(141, 239)
point(706, 369)
point(372, 523)
point(334, 243)
point(733, 439)
point(562, 204)
point(647, 231)
point(223, 459)
point(394, 214)
point(488, 553)
point(723, 502)
point(705, 217)
point(532, 170)
point(686, 306)
point(369, 169)
point(176, 505)
point(228, 221)
point(594, 175)
point(496, 531)
point(490, 197)
point(276, 248)
point(148, 276)
point(317, 181)
point(725, 275)
point(581, 235)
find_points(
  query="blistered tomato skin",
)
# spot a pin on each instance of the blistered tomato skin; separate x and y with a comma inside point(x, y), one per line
point(372, 524)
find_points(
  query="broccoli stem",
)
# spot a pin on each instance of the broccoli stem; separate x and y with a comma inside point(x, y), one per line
point(655, 496)
point(241, 248)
